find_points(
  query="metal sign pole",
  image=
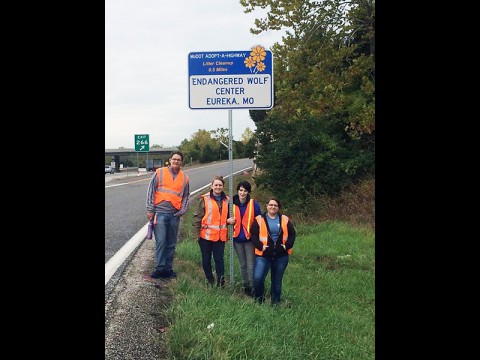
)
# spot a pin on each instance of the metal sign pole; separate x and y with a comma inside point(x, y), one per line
point(230, 228)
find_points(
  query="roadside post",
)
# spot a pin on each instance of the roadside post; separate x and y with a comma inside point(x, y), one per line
point(142, 144)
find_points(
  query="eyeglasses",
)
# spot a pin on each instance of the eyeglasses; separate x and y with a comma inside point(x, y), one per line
point(176, 159)
point(272, 205)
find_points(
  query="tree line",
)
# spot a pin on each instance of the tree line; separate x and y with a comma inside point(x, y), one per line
point(204, 146)
point(319, 137)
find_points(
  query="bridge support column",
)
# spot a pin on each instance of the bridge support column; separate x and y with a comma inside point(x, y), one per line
point(116, 160)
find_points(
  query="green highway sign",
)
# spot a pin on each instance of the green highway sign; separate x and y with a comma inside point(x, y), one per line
point(142, 143)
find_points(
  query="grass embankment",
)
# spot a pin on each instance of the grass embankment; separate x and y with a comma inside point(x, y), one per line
point(328, 294)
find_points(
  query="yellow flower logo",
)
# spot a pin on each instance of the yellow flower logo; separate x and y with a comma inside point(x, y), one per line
point(255, 61)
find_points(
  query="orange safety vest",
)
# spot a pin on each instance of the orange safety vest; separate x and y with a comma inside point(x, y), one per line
point(214, 224)
point(246, 222)
point(263, 235)
point(169, 189)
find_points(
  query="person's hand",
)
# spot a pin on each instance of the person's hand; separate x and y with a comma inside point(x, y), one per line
point(231, 221)
point(264, 247)
point(284, 247)
point(179, 213)
point(150, 215)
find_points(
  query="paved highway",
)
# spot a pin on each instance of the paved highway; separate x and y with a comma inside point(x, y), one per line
point(125, 209)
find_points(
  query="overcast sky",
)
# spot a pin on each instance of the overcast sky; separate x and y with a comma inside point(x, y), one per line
point(146, 66)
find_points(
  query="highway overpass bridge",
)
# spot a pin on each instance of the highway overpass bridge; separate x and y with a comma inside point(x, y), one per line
point(117, 153)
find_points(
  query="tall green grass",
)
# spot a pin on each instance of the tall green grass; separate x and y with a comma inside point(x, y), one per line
point(327, 310)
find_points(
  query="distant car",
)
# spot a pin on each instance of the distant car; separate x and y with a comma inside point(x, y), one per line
point(109, 169)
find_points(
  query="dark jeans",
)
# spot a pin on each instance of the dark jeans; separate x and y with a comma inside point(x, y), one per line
point(260, 270)
point(217, 248)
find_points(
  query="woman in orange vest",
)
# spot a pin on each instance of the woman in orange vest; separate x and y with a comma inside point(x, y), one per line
point(210, 222)
point(273, 236)
point(245, 211)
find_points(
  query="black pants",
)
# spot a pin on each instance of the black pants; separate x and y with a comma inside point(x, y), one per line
point(217, 248)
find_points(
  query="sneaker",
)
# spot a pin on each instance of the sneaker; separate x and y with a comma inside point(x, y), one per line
point(156, 274)
point(169, 275)
point(221, 282)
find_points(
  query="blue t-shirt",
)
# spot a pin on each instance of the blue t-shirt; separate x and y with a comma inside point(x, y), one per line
point(274, 226)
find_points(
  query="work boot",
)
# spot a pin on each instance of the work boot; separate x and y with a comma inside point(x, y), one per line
point(211, 280)
point(221, 282)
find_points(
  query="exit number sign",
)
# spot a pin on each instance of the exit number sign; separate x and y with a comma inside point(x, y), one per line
point(142, 143)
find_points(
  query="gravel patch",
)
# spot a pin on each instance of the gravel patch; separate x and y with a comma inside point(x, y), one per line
point(134, 322)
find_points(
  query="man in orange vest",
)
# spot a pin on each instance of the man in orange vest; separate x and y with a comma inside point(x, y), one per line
point(167, 201)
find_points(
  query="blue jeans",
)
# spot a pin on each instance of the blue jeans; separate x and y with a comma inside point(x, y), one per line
point(165, 232)
point(217, 248)
point(260, 271)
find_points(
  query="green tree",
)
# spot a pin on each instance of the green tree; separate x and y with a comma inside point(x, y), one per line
point(194, 147)
point(205, 146)
point(221, 136)
point(207, 154)
point(322, 125)
point(247, 135)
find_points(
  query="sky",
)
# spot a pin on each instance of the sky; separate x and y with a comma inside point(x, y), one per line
point(147, 43)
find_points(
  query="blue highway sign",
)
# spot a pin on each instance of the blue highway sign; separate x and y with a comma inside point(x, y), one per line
point(230, 79)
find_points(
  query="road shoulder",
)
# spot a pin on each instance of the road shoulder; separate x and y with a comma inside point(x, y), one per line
point(134, 320)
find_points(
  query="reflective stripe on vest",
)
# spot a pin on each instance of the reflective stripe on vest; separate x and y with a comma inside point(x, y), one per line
point(214, 224)
point(263, 234)
point(169, 189)
point(246, 222)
